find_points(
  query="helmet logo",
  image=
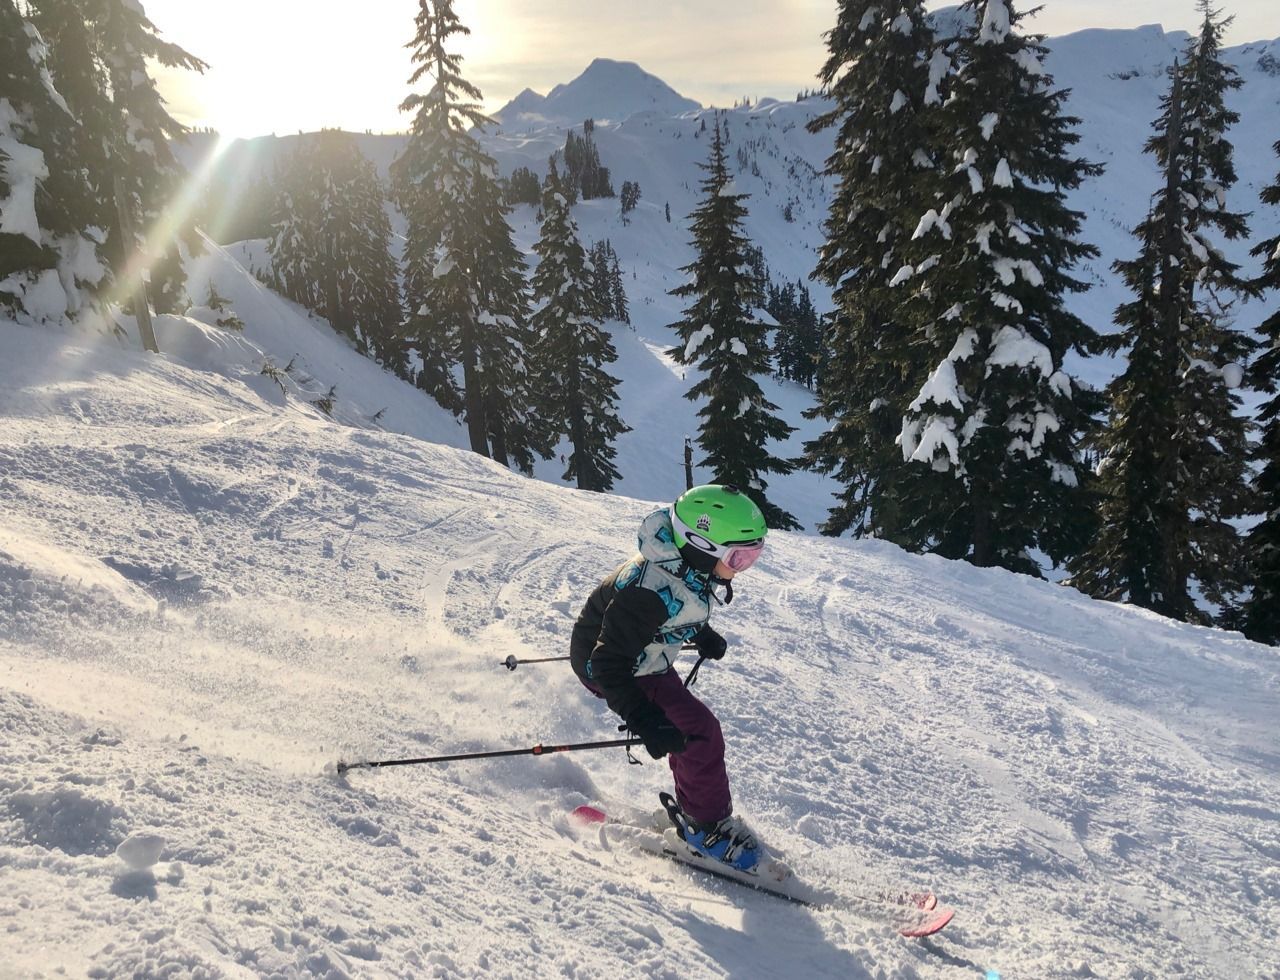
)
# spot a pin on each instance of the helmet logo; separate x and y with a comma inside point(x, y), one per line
point(704, 523)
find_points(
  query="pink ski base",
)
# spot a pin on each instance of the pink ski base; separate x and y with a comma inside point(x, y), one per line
point(588, 814)
point(929, 926)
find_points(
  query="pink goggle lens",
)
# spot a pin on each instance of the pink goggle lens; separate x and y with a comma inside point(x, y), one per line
point(743, 556)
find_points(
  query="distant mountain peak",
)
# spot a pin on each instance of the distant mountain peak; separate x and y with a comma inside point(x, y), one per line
point(606, 89)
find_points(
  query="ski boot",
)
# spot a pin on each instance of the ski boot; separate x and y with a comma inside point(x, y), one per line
point(727, 840)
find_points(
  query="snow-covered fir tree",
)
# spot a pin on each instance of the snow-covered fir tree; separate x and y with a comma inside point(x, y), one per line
point(464, 277)
point(1261, 620)
point(102, 49)
point(1173, 471)
point(885, 74)
point(51, 270)
point(331, 243)
point(142, 152)
point(580, 397)
point(998, 419)
point(722, 335)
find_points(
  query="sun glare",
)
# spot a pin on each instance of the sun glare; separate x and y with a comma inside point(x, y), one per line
point(175, 217)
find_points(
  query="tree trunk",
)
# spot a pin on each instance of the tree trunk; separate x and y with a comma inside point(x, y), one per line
point(1170, 578)
point(477, 430)
point(141, 302)
point(584, 471)
point(983, 549)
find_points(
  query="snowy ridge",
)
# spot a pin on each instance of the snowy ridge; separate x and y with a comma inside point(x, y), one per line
point(205, 597)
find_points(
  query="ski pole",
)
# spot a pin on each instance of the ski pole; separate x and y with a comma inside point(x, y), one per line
point(512, 662)
point(538, 749)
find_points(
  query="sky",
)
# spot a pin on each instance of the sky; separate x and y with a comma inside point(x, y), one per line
point(287, 65)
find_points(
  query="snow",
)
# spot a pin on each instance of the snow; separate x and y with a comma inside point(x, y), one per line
point(933, 219)
point(1003, 177)
point(988, 124)
point(899, 101)
point(443, 267)
point(995, 23)
point(43, 297)
point(141, 850)
point(1014, 347)
point(902, 275)
point(728, 189)
point(209, 591)
point(938, 433)
point(939, 68)
point(1030, 62)
point(738, 347)
point(940, 388)
point(697, 339)
point(23, 167)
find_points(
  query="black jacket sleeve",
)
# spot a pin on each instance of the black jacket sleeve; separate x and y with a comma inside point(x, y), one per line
point(629, 624)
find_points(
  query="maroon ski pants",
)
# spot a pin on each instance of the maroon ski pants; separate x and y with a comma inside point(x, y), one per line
point(702, 784)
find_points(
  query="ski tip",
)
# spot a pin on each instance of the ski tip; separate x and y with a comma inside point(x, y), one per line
point(932, 923)
point(588, 814)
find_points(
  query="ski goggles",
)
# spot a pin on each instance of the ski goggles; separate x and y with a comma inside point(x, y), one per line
point(738, 555)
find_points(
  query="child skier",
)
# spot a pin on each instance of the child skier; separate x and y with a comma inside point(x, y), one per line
point(630, 632)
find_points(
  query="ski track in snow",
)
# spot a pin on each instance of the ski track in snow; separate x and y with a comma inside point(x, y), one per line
point(205, 597)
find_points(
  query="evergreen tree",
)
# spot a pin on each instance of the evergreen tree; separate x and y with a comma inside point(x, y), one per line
point(100, 53)
point(601, 264)
point(621, 309)
point(723, 337)
point(523, 187)
point(464, 276)
point(885, 73)
point(142, 154)
point(1262, 611)
point(584, 175)
point(331, 244)
point(50, 266)
point(629, 198)
point(993, 433)
point(1173, 457)
point(295, 229)
point(572, 348)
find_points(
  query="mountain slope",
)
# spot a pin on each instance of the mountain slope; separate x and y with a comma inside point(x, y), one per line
point(206, 595)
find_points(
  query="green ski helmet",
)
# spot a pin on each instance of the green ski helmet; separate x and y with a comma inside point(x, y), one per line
point(718, 522)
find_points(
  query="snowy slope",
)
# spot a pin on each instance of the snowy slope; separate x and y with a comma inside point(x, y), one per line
point(206, 594)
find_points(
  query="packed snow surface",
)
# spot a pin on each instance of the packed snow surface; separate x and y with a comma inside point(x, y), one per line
point(209, 591)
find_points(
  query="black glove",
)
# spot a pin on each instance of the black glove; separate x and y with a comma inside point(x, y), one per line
point(710, 643)
point(650, 724)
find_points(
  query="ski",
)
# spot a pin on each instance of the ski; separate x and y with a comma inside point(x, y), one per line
point(914, 914)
